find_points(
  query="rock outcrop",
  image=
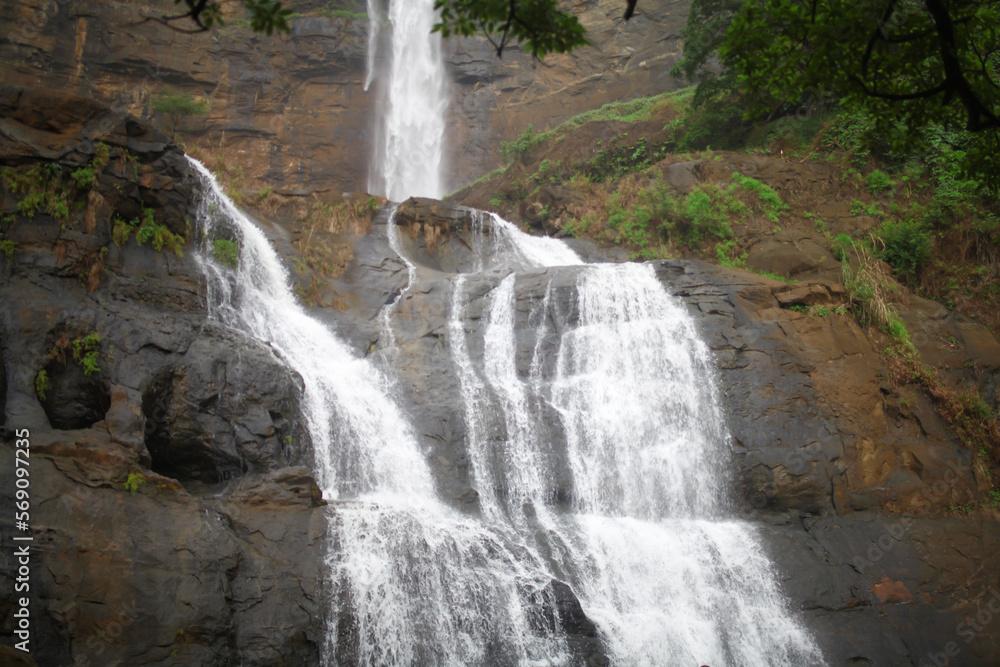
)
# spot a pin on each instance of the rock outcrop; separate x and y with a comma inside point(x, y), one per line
point(290, 112)
point(171, 513)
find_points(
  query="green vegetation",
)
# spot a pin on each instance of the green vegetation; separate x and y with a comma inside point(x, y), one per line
point(913, 69)
point(86, 351)
point(879, 182)
point(226, 252)
point(179, 106)
point(147, 230)
point(654, 221)
point(726, 254)
point(512, 151)
point(134, 482)
point(540, 26)
point(332, 12)
point(775, 276)
point(42, 384)
point(870, 291)
point(858, 207)
point(49, 189)
point(623, 158)
point(39, 189)
point(906, 246)
point(632, 111)
point(770, 203)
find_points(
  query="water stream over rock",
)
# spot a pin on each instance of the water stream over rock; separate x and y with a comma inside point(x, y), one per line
point(639, 534)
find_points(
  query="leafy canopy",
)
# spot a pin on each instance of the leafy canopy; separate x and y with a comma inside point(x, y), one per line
point(265, 16)
point(917, 67)
point(538, 24)
point(918, 61)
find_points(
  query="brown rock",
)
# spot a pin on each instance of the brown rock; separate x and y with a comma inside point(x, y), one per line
point(888, 591)
point(812, 294)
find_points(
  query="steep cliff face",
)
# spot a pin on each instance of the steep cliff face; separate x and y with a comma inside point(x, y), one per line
point(139, 411)
point(497, 99)
point(290, 111)
point(176, 519)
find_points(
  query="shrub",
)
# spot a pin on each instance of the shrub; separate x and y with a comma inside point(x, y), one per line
point(134, 482)
point(842, 243)
point(858, 207)
point(878, 182)
point(86, 350)
point(42, 384)
point(706, 216)
point(148, 230)
point(633, 224)
point(770, 200)
point(906, 246)
point(177, 106)
point(619, 160)
point(726, 254)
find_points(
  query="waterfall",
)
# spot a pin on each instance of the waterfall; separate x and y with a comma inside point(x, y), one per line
point(613, 395)
point(415, 581)
point(643, 538)
point(410, 116)
point(646, 542)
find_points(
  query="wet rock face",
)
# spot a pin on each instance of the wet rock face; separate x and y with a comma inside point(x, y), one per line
point(74, 400)
point(226, 409)
point(160, 575)
point(847, 487)
point(167, 482)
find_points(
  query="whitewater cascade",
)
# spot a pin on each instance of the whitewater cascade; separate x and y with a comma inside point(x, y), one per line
point(643, 540)
point(409, 134)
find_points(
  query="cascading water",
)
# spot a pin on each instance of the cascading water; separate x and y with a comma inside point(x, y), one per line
point(410, 119)
point(646, 545)
point(644, 542)
point(416, 582)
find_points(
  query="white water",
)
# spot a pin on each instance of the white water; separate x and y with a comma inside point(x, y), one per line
point(410, 122)
point(644, 542)
point(424, 585)
point(646, 546)
point(396, 245)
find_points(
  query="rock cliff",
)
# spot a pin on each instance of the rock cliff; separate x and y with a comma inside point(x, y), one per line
point(174, 514)
point(290, 112)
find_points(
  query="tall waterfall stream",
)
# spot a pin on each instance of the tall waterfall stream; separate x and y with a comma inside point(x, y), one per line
point(410, 126)
point(644, 538)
